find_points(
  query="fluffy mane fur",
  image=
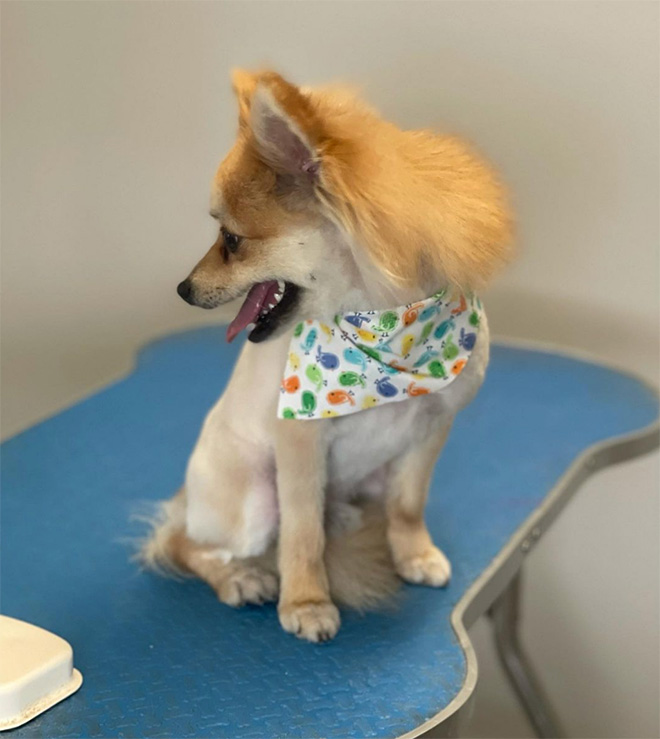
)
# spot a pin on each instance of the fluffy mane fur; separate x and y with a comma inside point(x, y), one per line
point(425, 207)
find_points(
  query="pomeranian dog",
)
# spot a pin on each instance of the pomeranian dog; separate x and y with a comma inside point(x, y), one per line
point(359, 249)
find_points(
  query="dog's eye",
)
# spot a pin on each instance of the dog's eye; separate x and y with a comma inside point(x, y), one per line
point(230, 240)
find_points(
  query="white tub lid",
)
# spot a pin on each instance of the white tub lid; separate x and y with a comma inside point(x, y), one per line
point(36, 671)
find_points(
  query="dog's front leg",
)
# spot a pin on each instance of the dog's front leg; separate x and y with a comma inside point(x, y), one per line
point(416, 558)
point(305, 608)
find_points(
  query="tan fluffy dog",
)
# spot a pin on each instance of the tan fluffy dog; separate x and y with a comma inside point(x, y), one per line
point(325, 207)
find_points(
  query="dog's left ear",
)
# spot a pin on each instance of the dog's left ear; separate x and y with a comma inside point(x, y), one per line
point(285, 128)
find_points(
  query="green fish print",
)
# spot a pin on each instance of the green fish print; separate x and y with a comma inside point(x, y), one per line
point(315, 376)
point(308, 402)
point(451, 350)
point(288, 413)
point(426, 331)
point(388, 322)
point(349, 379)
point(437, 369)
point(370, 352)
point(298, 330)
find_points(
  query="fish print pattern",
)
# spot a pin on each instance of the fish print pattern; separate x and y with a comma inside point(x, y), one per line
point(367, 358)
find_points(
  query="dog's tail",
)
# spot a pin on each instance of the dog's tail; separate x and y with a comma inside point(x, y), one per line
point(157, 550)
point(357, 557)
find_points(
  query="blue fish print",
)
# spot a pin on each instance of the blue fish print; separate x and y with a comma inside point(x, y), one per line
point(428, 313)
point(355, 356)
point(357, 320)
point(388, 369)
point(426, 357)
point(443, 328)
point(328, 360)
point(385, 388)
point(467, 340)
point(309, 342)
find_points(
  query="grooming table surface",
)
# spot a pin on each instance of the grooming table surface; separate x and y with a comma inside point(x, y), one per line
point(163, 658)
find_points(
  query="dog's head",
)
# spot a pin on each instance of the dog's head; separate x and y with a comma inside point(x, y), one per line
point(322, 206)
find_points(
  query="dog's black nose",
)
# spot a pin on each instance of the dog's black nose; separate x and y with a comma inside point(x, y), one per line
point(185, 290)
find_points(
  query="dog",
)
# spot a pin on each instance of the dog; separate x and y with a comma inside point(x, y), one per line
point(334, 226)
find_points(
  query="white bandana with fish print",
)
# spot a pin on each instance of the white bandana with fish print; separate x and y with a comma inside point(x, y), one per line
point(367, 358)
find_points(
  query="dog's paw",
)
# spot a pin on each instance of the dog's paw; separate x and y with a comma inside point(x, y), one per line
point(316, 622)
point(248, 584)
point(430, 568)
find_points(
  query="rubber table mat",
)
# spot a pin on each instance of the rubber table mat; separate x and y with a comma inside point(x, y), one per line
point(163, 658)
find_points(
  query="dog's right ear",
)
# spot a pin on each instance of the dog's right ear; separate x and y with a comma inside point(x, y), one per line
point(285, 128)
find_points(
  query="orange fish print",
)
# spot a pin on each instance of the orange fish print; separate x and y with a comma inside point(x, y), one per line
point(414, 390)
point(336, 397)
point(410, 316)
point(291, 384)
point(457, 367)
point(462, 306)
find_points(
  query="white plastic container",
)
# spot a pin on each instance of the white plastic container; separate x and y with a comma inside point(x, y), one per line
point(36, 672)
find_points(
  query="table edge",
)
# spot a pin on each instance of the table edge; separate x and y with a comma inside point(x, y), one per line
point(506, 564)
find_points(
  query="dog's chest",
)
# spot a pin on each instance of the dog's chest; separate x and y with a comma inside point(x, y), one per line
point(363, 442)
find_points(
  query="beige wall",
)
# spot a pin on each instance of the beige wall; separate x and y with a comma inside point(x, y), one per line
point(115, 114)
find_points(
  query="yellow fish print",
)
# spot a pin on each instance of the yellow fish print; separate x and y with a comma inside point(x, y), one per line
point(366, 335)
point(329, 414)
point(326, 330)
point(407, 344)
point(369, 402)
point(294, 361)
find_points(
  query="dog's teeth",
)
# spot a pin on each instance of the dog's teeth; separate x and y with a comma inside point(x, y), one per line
point(281, 285)
point(251, 326)
point(278, 297)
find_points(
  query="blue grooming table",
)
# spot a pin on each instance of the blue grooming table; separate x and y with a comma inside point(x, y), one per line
point(163, 658)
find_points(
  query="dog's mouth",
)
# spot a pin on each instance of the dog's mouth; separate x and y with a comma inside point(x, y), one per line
point(266, 305)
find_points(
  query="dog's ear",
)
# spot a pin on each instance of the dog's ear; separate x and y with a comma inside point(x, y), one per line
point(244, 84)
point(285, 128)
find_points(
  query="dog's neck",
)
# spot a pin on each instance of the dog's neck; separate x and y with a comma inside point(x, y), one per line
point(367, 288)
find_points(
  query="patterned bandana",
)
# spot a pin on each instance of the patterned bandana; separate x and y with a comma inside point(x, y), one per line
point(372, 357)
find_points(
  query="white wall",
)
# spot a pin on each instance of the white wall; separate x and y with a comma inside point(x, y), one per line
point(114, 116)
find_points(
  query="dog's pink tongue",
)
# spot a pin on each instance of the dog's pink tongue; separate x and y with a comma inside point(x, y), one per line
point(252, 306)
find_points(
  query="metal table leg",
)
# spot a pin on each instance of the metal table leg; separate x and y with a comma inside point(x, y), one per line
point(504, 614)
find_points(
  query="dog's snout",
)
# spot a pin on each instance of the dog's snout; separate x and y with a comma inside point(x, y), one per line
point(185, 290)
